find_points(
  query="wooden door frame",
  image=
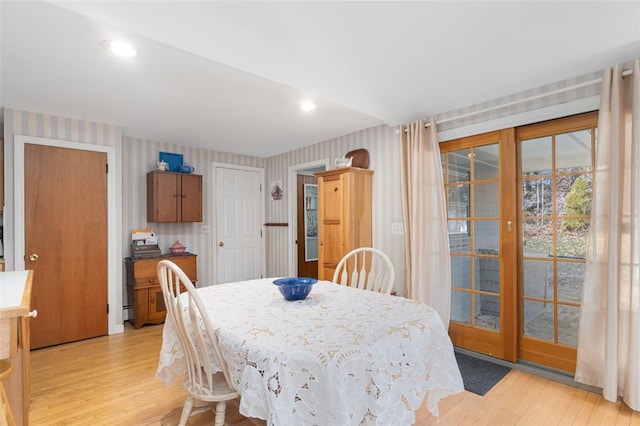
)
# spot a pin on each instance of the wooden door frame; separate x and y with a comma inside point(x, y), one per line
point(292, 206)
point(212, 219)
point(114, 267)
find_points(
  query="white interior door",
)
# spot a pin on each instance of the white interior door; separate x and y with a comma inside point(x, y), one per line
point(239, 209)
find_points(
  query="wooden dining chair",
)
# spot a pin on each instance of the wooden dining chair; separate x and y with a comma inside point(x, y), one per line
point(197, 338)
point(366, 268)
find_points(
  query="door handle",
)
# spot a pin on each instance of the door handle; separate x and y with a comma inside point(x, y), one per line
point(221, 244)
point(33, 257)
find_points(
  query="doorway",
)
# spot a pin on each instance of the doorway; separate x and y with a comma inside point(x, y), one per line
point(58, 232)
point(307, 225)
point(518, 215)
point(296, 206)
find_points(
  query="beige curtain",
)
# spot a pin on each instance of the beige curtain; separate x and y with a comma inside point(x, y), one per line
point(609, 333)
point(427, 268)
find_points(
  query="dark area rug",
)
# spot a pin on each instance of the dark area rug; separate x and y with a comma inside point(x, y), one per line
point(479, 376)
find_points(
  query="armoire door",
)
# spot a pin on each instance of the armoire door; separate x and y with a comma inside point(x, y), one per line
point(66, 242)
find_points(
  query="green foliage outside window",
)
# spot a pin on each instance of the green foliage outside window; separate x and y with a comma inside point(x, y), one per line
point(578, 203)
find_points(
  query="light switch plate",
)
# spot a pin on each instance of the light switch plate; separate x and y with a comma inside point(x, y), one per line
point(206, 229)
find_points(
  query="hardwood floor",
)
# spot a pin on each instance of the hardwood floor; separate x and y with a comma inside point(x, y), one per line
point(111, 381)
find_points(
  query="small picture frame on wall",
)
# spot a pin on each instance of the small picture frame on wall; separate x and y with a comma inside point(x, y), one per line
point(276, 190)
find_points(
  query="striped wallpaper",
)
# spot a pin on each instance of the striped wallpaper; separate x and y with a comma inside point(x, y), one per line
point(543, 102)
point(139, 156)
point(384, 154)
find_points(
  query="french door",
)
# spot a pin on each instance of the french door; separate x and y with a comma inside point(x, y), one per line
point(518, 215)
point(554, 179)
point(480, 186)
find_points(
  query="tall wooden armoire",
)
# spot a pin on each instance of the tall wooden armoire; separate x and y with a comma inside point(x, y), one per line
point(344, 215)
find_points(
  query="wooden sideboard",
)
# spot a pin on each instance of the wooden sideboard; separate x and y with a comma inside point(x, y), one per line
point(15, 305)
point(144, 294)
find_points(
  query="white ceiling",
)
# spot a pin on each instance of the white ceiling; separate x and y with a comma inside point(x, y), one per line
point(229, 76)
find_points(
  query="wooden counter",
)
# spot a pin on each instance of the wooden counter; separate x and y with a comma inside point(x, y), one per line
point(15, 304)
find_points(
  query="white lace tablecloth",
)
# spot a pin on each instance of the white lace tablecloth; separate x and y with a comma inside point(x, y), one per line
point(342, 356)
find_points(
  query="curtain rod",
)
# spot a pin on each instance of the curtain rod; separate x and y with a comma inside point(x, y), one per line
point(530, 98)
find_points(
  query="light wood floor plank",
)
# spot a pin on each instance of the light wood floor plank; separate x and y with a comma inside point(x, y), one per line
point(605, 412)
point(586, 408)
point(543, 405)
point(111, 381)
point(510, 385)
point(574, 407)
point(624, 415)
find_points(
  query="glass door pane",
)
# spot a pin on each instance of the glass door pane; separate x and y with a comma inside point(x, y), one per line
point(473, 209)
point(555, 182)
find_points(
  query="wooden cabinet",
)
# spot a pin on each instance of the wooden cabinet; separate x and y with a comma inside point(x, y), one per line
point(344, 215)
point(174, 197)
point(15, 340)
point(143, 288)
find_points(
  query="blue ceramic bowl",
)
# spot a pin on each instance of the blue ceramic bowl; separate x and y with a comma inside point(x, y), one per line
point(295, 288)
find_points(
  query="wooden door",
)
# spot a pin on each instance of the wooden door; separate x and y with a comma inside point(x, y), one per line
point(238, 224)
point(481, 213)
point(191, 198)
point(554, 189)
point(66, 242)
point(306, 268)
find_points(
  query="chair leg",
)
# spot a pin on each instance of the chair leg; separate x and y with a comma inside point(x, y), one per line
point(221, 407)
point(186, 411)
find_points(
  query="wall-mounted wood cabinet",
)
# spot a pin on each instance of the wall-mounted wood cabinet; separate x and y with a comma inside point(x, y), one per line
point(174, 197)
point(143, 287)
point(344, 215)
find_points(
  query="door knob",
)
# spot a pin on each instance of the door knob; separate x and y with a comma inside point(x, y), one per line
point(33, 257)
point(221, 244)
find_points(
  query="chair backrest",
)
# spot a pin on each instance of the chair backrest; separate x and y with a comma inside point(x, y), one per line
point(195, 332)
point(366, 268)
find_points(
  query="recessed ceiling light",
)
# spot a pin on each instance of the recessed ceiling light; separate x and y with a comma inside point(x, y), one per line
point(119, 47)
point(308, 106)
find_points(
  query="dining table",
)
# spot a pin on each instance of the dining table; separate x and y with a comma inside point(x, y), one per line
point(341, 356)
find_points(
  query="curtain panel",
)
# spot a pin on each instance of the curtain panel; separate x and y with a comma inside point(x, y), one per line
point(427, 267)
point(609, 332)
